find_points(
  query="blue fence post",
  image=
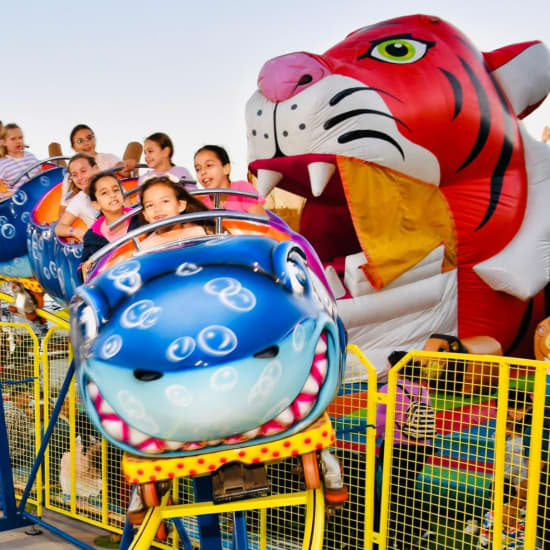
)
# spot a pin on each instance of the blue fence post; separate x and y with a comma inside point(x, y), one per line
point(209, 525)
point(12, 517)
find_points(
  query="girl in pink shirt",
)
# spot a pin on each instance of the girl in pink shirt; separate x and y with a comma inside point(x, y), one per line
point(213, 168)
point(106, 196)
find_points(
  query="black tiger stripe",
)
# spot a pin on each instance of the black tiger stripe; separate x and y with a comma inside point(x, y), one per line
point(523, 327)
point(361, 134)
point(457, 91)
point(356, 112)
point(473, 50)
point(506, 151)
point(336, 98)
point(484, 116)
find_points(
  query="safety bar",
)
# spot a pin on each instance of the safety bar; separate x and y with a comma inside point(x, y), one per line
point(216, 192)
point(184, 218)
point(31, 168)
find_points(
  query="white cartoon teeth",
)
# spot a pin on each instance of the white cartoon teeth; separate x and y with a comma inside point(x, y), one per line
point(299, 409)
point(136, 437)
point(286, 418)
point(321, 347)
point(319, 176)
point(172, 445)
point(115, 428)
point(105, 408)
point(311, 386)
point(267, 180)
point(93, 391)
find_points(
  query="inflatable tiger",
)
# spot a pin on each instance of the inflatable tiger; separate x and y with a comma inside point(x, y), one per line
point(426, 198)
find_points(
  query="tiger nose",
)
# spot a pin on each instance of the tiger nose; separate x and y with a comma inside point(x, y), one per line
point(284, 76)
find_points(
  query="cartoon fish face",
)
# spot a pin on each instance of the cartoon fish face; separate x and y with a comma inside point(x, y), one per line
point(222, 342)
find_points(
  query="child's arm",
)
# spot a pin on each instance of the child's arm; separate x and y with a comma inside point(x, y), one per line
point(65, 228)
point(129, 165)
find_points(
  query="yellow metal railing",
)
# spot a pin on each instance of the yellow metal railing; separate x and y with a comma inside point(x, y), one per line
point(471, 450)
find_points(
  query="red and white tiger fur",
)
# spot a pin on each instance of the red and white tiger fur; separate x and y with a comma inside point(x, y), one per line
point(413, 96)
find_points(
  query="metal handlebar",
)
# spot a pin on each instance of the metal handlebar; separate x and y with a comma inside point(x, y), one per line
point(217, 192)
point(32, 167)
point(135, 189)
point(184, 218)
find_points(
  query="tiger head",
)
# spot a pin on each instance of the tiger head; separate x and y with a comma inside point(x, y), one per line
point(404, 140)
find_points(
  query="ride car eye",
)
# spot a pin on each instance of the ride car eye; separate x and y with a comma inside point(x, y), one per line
point(88, 323)
point(291, 267)
point(297, 273)
point(84, 328)
point(267, 353)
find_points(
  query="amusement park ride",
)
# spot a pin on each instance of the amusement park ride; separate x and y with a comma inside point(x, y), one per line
point(426, 201)
point(174, 323)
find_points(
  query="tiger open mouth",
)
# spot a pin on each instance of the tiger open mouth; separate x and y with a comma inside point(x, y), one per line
point(298, 410)
point(326, 221)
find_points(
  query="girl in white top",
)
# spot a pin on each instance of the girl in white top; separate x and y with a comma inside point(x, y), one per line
point(14, 159)
point(83, 141)
point(81, 168)
point(158, 150)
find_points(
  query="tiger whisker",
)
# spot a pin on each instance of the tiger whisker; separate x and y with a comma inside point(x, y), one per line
point(350, 114)
point(336, 98)
point(360, 134)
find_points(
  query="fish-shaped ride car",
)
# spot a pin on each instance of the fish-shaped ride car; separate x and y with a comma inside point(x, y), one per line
point(15, 213)
point(219, 341)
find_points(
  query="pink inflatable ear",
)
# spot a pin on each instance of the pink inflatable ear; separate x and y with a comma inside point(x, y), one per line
point(517, 64)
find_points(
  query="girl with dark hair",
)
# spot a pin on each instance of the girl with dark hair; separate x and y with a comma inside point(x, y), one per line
point(165, 197)
point(106, 196)
point(213, 168)
point(83, 140)
point(158, 150)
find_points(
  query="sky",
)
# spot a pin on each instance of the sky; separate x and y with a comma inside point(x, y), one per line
point(131, 68)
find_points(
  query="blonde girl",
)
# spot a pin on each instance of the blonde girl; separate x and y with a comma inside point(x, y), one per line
point(14, 159)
